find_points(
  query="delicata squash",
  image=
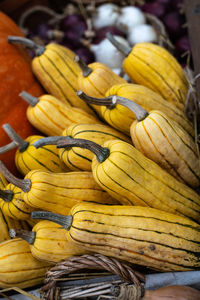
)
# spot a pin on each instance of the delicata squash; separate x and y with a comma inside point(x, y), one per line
point(49, 115)
point(58, 192)
point(121, 118)
point(48, 242)
point(6, 223)
point(140, 235)
point(28, 158)
point(164, 141)
point(146, 98)
point(56, 70)
point(154, 67)
point(12, 203)
point(18, 267)
point(3, 181)
point(133, 179)
point(95, 79)
point(77, 158)
point(12, 206)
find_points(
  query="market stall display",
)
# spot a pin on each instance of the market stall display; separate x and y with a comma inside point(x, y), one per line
point(99, 150)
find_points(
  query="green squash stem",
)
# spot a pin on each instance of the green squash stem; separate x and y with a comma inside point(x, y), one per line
point(39, 50)
point(20, 143)
point(28, 236)
point(31, 100)
point(50, 140)
point(64, 221)
point(23, 184)
point(6, 195)
point(122, 48)
point(101, 153)
point(86, 71)
point(112, 101)
point(8, 147)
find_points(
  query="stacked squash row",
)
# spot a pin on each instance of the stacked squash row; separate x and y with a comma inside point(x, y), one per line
point(114, 172)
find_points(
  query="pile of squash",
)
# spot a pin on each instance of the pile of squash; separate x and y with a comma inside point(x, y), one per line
point(113, 167)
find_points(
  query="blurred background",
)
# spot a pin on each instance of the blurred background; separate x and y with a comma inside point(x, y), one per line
point(82, 25)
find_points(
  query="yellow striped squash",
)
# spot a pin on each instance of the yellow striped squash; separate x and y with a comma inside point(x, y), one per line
point(3, 181)
point(121, 118)
point(30, 222)
point(56, 70)
point(165, 142)
point(58, 192)
point(45, 158)
point(146, 98)
point(77, 158)
point(48, 242)
point(140, 235)
point(4, 232)
point(18, 267)
point(12, 203)
point(6, 223)
point(133, 179)
point(95, 79)
point(81, 159)
point(154, 67)
point(28, 158)
point(51, 116)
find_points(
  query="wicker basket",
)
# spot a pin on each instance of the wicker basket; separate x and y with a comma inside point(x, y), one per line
point(126, 284)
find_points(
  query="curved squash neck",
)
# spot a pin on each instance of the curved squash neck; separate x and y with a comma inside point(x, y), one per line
point(17, 140)
point(39, 50)
point(64, 221)
point(28, 236)
point(112, 101)
point(101, 153)
point(86, 71)
point(23, 184)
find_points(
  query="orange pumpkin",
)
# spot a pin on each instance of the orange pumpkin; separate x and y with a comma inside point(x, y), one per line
point(15, 76)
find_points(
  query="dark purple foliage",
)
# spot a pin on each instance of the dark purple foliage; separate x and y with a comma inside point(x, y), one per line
point(71, 21)
point(173, 23)
point(177, 4)
point(42, 30)
point(155, 8)
point(86, 55)
point(73, 27)
point(101, 33)
point(183, 45)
